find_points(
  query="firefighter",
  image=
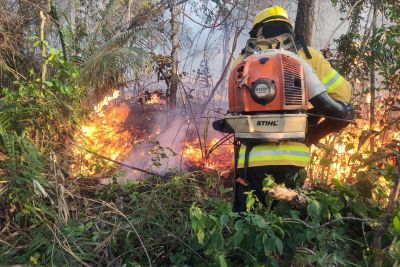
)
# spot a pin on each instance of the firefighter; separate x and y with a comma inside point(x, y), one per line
point(286, 161)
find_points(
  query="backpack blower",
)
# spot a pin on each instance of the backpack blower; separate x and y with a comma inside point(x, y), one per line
point(268, 93)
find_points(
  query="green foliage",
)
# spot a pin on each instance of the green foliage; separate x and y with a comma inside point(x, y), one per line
point(36, 116)
point(26, 186)
point(124, 224)
point(335, 230)
point(138, 218)
point(160, 153)
point(34, 106)
point(115, 50)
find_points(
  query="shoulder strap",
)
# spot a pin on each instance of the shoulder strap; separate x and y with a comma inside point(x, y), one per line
point(300, 43)
point(246, 159)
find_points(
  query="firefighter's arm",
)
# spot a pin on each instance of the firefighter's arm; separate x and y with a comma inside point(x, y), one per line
point(325, 104)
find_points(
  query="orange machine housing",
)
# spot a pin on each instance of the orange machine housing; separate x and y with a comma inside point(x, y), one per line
point(284, 72)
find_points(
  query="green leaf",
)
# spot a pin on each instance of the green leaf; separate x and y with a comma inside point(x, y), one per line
point(268, 244)
point(200, 236)
point(217, 240)
point(196, 212)
point(279, 245)
point(224, 219)
point(250, 201)
point(268, 183)
point(223, 190)
point(53, 51)
point(238, 237)
point(314, 210)
point(222, 261)
point(48, 83)
point(396, 222)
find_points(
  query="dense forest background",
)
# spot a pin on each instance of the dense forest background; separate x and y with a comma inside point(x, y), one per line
point(107, 157)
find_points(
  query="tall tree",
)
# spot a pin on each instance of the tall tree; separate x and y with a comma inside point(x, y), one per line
point(174, 53)
point(304, 20)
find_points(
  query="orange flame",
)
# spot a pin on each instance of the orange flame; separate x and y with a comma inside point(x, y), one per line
point(219, 159)
point(352, 146)
point(155, 99)
point(102, 134)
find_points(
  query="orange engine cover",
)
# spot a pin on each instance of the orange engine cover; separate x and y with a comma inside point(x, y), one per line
point(270, 81)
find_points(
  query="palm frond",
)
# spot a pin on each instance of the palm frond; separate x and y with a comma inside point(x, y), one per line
point(111, 63)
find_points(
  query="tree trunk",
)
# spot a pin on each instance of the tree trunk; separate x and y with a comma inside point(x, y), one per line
point(174, 53)
point(304, 20)
point(44, 47)
point(372, 90)
point(56, 18)
point(225, 45)
point(387, 219)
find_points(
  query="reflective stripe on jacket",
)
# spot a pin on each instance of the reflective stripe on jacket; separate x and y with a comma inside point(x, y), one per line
point(336, 86)
point(283, 153)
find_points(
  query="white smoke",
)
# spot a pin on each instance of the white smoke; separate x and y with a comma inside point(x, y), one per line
point(170, 130)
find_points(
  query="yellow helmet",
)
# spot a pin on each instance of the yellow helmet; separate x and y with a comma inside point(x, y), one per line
point(274, 13)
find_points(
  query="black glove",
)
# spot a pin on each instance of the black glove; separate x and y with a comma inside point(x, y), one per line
point(330, 125)
point(222, 126)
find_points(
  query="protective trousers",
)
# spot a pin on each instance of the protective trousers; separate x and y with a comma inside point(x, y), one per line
point(291, 176)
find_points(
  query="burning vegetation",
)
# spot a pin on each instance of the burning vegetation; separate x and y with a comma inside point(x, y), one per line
point(215, 156)
point(114, 130)
point(103, 134)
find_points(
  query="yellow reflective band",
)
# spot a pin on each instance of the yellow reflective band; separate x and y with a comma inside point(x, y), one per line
point(287, 153)
point(274, 153)
point(335, 84)
point(277, 157)
point(287, 146)
point(329, 76)
point(332, 80)
point(292, 160)
point(275, 163)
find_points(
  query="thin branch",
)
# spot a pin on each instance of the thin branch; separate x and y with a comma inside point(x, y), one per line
point(215, 25)
point(348, 16)
point(115, 161)
point(222, 78)
point(387, 218)
point(293, 220)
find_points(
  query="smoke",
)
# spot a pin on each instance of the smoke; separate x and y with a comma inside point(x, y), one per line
point(161, 151)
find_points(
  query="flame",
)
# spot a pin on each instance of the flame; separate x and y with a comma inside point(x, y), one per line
point(99, 107)
point(219, 159)
point(352, 146)
point(104, 135)
point(155, 99)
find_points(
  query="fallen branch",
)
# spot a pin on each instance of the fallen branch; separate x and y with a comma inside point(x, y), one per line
point(363, 220)
point(292, 197)
point(117, 162)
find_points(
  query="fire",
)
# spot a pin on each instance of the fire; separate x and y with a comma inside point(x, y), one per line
point(342, 155)
point(219, 159)
point(104, 135)
point(155, 99)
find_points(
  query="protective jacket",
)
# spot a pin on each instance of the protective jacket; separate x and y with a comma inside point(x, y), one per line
point(297, 153)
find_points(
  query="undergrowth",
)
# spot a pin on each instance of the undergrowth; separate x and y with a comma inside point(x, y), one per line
point(140, 223)
point(176, 223)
